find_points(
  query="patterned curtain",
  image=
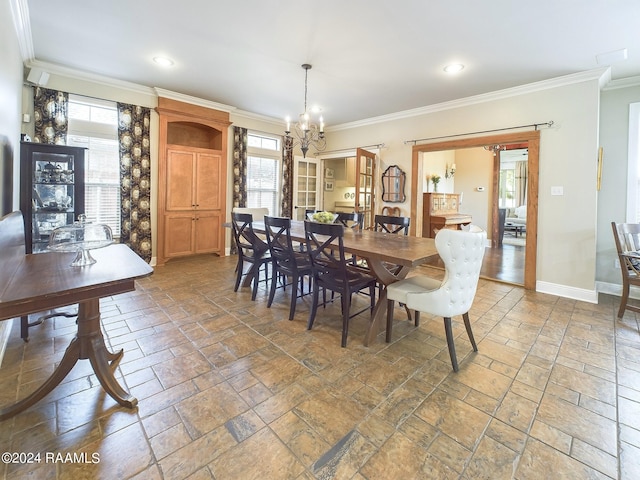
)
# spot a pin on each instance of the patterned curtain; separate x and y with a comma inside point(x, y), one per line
point(287, 174)
point(50, 116)
point(239, 167)
point(240, 139)
point(135, 178)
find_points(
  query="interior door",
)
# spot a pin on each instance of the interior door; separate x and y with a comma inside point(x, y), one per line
point(306, 186)
point(365, 185)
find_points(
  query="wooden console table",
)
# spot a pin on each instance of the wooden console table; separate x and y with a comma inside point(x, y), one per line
point(38, 282)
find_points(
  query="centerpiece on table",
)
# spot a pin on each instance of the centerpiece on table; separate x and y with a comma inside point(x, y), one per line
point(322, 217)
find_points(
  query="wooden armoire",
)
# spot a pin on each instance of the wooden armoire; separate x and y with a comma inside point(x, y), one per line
point(192, 174)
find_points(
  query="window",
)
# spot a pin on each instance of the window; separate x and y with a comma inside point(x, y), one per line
point(263, 172)
point(507, 186)
point(93, 124)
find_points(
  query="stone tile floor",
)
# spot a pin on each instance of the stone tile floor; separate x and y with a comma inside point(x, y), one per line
point(229, 389)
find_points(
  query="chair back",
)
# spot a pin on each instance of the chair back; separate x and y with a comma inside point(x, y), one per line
point(325, 247)
point(249, 244)
point(462, 253)
point(391, 211)
point(351, 220)
point(391, 224)
point(278, 230)
point(627, 239)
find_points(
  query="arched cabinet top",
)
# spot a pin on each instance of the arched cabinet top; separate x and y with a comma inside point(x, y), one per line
point(193, 134)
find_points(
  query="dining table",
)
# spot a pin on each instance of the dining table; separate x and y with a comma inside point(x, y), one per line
point(32, 283)
point(390, 257)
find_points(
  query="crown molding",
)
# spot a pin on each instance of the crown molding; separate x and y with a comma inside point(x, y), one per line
point(181, 97)
point(90, 77)
point(622, 83)
point(22, 24)
point(595, 74)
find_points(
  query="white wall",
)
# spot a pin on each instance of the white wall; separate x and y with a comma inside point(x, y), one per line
point(10, 102)
point(474, 168)
point(614, 139)
point(567, 224)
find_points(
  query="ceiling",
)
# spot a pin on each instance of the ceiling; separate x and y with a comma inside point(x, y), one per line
point(370, 57)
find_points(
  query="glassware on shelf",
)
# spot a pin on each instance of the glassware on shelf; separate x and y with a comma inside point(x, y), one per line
point(81, 237)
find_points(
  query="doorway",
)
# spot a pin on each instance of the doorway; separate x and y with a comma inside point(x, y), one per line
point(532, 141)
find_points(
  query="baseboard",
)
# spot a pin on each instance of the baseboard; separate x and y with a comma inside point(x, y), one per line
point(574, 293)
point(616, 290)
point(5, 330)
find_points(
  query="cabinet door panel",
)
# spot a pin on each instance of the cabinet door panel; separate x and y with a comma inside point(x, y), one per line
point(180, 185)
point(207, 236)
point(178, 234)
point(208, 181)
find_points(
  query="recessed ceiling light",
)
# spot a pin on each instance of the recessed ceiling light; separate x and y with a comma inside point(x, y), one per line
point(163, 61)
point(453, 68)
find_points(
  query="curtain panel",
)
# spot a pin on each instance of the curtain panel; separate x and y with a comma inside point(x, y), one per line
point(50, 115)
point(521, 174)
point(287, 177)
point(240, 139)
point(135, 178)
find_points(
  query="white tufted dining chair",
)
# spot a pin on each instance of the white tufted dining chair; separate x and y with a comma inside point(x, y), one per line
point(462, 253)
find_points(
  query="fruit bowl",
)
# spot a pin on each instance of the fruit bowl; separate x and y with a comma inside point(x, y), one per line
point(322, 217)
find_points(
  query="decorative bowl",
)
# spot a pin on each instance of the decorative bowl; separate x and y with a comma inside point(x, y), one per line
point(322, 217)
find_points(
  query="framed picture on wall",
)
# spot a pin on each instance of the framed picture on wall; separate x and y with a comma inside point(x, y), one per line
point(328, 186)
point(328, 173)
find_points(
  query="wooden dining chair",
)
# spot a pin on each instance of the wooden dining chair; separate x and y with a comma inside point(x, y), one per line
point(287, 262)
point(391, 224)
point(627, 240)
point(331, 271)
point(351, 220)
point(251, 249)
point(391, 211)
point(462, 253)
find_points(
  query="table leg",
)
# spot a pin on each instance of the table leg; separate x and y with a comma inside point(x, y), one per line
point(385, 277)
point(102, 360)
point(88, 344)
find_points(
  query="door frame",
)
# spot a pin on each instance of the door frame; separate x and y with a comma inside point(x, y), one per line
point(532, 138)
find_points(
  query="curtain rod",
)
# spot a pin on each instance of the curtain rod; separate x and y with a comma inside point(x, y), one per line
point(535, 125)
point(377, 145)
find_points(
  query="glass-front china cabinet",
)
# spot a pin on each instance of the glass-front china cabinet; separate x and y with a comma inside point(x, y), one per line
point(51, 190)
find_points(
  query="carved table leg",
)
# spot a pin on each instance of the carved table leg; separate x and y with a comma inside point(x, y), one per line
point(103, 361)
point(88, 344)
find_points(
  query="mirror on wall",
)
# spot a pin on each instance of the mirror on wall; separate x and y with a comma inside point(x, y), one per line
point(393, 181)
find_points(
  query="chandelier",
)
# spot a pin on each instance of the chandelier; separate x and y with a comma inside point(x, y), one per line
point(308, 133)
point(495, 148)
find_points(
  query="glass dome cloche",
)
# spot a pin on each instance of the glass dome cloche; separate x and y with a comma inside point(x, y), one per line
point(81, 237)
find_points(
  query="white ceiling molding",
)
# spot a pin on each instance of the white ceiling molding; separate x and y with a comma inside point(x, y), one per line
point(180, 97)
point(22, 24)
point(595, 74)
point(623, 83)
point(90, 77)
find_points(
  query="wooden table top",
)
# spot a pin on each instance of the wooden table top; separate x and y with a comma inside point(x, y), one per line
point(388, 247)
point(45, 281)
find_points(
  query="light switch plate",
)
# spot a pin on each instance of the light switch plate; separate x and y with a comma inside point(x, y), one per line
point(558, 190)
